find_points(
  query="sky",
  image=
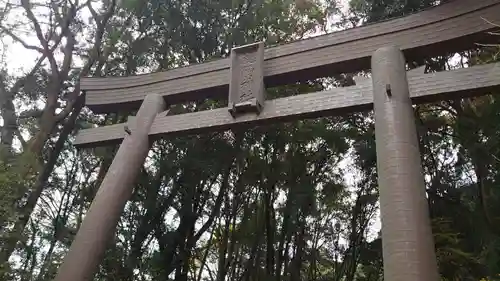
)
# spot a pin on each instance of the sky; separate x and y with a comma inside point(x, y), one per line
point(17, 58)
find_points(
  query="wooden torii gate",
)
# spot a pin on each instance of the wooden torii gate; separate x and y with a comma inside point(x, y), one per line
point(408, 248)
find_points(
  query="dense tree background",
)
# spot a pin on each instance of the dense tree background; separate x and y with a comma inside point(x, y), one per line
point(286, 202)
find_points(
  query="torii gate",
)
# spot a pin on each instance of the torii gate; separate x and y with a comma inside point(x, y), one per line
point(408, 247)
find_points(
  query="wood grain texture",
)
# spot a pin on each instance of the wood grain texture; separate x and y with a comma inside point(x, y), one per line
point(407, 241)
point(454, 26)
point(454, 84)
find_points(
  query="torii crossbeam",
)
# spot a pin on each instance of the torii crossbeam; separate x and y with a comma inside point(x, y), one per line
point(408, 248)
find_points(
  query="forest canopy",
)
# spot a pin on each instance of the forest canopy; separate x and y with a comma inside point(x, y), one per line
point(286, 202)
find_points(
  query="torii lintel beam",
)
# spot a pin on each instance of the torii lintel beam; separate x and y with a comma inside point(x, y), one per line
point(473, 81)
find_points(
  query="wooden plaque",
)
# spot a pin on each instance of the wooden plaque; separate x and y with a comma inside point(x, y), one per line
point(246, 85)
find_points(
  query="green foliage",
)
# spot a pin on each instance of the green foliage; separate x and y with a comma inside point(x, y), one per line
point(15, 175)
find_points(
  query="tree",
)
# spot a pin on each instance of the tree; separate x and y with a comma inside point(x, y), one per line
point(52, 81)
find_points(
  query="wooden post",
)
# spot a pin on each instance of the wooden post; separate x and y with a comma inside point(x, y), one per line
point(99, 225)
point(407, 241)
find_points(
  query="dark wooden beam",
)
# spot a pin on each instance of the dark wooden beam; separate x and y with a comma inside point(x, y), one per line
point(477, 80)
point(457, 25)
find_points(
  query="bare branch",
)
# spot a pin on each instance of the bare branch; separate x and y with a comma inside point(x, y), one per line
point(489, 22)
point(70, 41)
point(38, 30)
point(487, 45)
point(94, 54)
point(21, 41)
point(93, 13)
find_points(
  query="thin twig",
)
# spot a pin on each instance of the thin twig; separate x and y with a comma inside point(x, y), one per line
point(489, 22)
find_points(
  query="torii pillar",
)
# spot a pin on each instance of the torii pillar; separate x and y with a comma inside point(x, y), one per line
point(407, 241)
point(97, 230)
